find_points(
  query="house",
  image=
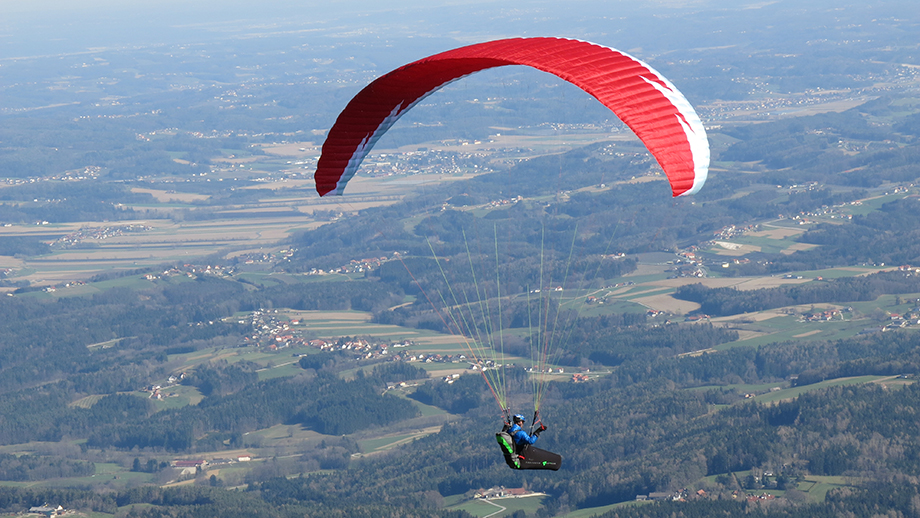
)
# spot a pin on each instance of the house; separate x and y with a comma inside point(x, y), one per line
point(502, 492)
point(190, 467)
point(47, 510)
point(494, 492)
point(190, 463)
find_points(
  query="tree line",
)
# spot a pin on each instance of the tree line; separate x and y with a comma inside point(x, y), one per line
point(730, 301)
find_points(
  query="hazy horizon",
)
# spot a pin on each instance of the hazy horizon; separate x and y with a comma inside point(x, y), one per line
point(66, 26)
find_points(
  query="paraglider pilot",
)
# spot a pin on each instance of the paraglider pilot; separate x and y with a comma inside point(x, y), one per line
point(518, 450)
point(522, 438)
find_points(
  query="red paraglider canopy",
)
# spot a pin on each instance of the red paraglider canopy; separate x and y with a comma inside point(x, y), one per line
point(641, 97)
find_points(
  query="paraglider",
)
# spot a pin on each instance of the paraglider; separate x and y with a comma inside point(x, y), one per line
point(518, 450)
point(642, 98)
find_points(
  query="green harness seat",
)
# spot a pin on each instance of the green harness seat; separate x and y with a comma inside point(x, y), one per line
point(528, 457)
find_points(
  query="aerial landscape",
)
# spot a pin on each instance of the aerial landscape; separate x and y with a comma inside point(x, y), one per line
point(188, 329)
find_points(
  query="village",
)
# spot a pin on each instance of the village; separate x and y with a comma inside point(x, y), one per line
point(685, 494)
point(191, 271)
point(188, 270)
point(191, 468)
point(355, 266)
point(98, 234)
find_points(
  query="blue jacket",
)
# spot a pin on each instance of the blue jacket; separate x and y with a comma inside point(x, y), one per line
point(520, 436)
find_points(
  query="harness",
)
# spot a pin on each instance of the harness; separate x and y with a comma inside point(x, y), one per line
point(509, 449)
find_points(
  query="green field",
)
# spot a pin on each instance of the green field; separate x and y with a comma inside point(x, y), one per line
point(87, 402)
point(836, 273)
point(873, 204)
point(280, 371)
point(500, 506)
point(793, 392)
point(817, 486)
point(428, 410)
point(887, 303)
point(185, 395)
point(108, 475)
point(766, 394)
point(740, 387)
point(766, 244)
point(786, 328)
point(609, 308)
point(385, 443)
point(591, 512)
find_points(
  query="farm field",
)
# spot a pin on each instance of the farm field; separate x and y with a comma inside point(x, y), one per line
point(499, 507)
point(165, 242)
point(254, 227)
point(593, 512)
point(386, 442)
point(790, 393)
point(771, 393)
point(109, 475)
point(770, 327)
